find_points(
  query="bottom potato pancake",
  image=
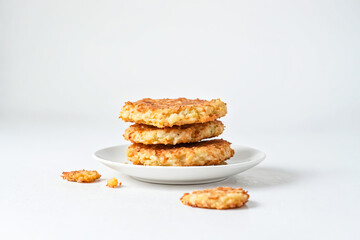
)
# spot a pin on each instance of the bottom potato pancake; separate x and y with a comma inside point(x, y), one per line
point(203, 153)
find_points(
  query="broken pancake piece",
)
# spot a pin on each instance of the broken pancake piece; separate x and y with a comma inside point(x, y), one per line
point(145, 134)
point(113, 183)
point(81, 176)
point(169, 112)
point(216, 198)
point(203, 153)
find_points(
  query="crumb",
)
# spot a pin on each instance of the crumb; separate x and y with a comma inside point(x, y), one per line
point(81, 176)
point(112, 183)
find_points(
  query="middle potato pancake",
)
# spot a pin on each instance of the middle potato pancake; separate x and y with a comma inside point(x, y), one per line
point(145, 134)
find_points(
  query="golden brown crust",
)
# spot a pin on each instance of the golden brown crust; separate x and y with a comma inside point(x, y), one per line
point(167, 103)
point(145, 134)
point(203, 153)
point(216, 198)
point(81, 176)
point(169, 112)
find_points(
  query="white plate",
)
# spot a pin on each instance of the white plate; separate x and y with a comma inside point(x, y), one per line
point(244, 159)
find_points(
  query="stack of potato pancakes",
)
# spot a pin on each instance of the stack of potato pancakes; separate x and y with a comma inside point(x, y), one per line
point(168, 132)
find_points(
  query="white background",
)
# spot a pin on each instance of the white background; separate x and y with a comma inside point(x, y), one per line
point(289, 71)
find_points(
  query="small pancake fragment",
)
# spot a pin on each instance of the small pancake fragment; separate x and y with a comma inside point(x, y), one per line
point(113, 183)
point(81, 176)
point(213, 152)
point(169, 112)
point(145, 134)
point(217, 198)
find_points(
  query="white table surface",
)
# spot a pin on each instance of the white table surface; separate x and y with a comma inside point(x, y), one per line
point(307, 188)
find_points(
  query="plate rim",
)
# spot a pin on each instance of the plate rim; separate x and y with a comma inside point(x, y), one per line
point(257, 161)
